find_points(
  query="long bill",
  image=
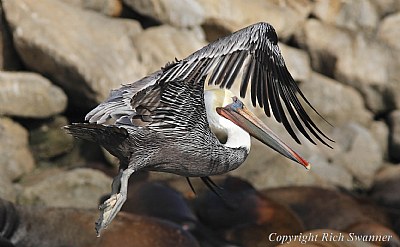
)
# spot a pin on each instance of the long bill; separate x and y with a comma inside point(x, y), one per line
point(241, 116)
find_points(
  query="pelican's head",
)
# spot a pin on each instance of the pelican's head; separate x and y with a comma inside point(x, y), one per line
point(228, 117)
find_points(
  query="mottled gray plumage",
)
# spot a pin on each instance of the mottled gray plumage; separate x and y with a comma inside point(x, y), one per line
point(159, 123)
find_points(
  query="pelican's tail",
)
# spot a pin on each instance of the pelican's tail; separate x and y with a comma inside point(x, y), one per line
point(102, 134)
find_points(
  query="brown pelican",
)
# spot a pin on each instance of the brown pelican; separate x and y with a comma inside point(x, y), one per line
point(167, 122)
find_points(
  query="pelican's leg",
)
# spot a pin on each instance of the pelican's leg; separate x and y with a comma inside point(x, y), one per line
point(112, 206)
point(116, 182)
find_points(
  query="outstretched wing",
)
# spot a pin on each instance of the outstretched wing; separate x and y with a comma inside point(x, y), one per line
point(254, 51)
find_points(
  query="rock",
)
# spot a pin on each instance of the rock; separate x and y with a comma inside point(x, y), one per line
point(87, 54)
point(367, 67)
point(386, 185)
point(157, 199)
point(246, 216)
point(392, 94)
point(179, 13)
point(158, 45)
point(24, 94)
point(49, 140)
point(265, 168)
point(15, 156)
point(321, 208)
point(7, 190)
point(74, 227)
point(367, 63)
point(106, 7)
point(394, 135)
point(358, 152)
point(9, 59)
point(354, 15)
point(297, 62)
point(334, 174)
point(386, 7)
point(78, 188)
point(317, 37)
point(389, 30)
point(336, 102)
point(354, 59)
point(380, 132)
point(228, 15)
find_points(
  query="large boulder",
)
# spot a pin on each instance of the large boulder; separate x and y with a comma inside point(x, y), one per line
point(336, 102)
point(7, 189)
point(106, 7)
point(265, 168)
point(49, 140)
point(394, 135)
point(358, 152)
point(386, 7)
point(222, 17)
point(158, 45)
point(9, 59)
point(84, 52)
point(353, 58)
point(25, 94)
point(15, 156)
point(77, 188)
point(297, 62)
point(179, 13)
point(354, 15)
point(389, 30)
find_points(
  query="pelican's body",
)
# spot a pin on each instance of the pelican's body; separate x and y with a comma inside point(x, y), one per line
point(167, 122)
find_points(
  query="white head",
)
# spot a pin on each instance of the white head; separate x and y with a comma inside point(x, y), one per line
point(229, 118)
point(225, 129)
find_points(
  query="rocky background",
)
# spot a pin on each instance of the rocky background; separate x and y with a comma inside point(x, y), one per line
point(59, 58)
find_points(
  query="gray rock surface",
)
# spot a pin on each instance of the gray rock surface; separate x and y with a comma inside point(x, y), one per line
point(78, 188)
point(158, 45)
point(358, 152)
point(386, 186)
point(353, 58)
point(228, 15)
point(25, 94)
point(56, 39)
point(389, 30)
point(106, 7)
point(297, 61)
point(50, 140)
point(15, 157)
point(336, 102)
point(354, 15)
point(266, 168)
point(9, 59)
point(386, 7)
point(380, 132)
point(7, 189)
point(394, 135)
point(179, 13)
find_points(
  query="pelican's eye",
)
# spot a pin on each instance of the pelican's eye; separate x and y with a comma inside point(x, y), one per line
point(237, 104)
